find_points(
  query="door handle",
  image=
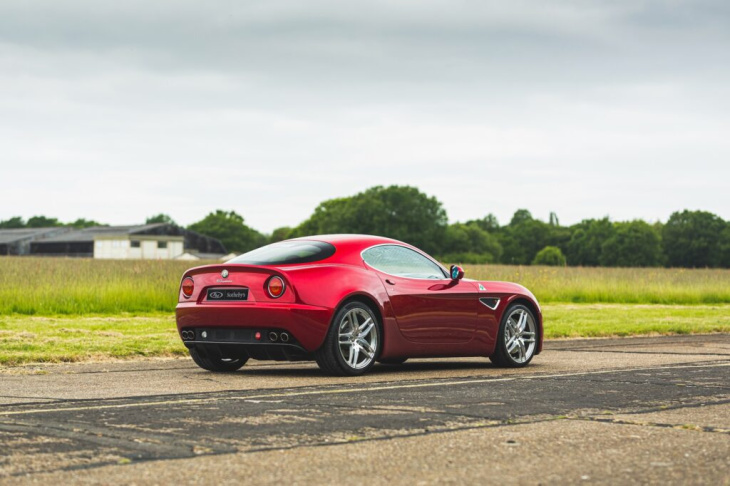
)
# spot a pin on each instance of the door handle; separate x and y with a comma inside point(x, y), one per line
point(389, 281)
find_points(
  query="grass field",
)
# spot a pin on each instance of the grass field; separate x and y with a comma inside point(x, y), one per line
point(614, 285)
point(55, 309)
point(53, 286)
point(28, 339)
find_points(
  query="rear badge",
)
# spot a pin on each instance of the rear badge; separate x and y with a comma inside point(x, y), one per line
point(224, 274)
point(227, 294)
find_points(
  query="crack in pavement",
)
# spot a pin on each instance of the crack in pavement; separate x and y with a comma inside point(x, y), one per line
point(356, 389)
point(92, 433)
point(323, 443)
point(668, 353)
point(694, 428)
point(477, 423)
point(651, 382)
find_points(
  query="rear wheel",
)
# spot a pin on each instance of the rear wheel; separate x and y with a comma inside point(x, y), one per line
point(353, 342)
point(215, 363)
point(517, 338)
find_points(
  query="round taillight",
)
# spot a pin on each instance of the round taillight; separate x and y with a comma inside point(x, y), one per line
point(188, 286)
point(275, 287)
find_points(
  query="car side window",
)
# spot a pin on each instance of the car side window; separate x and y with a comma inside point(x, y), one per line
point(402, 262)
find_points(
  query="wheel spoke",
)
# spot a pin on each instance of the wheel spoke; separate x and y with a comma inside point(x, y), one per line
point(354, 354)
point(358, 338)
point(522, 322)
point(366, 348)
point(364, 344)
point(519, 335)
point(366, 327)
point(353, 320)
point(523, 352)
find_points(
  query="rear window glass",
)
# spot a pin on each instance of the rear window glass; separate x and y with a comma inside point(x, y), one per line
point(287, 252)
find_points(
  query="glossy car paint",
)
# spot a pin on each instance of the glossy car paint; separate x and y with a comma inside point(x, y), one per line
point(420, 317)
point(419, 304)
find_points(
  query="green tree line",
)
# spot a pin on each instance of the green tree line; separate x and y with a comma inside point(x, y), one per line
point(687, 239)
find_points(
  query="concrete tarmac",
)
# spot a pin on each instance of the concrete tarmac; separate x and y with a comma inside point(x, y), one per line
point(618, 411)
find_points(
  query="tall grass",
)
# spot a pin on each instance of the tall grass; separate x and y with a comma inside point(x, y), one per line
point(614, 285)
point(53, 286)
point(50, 286)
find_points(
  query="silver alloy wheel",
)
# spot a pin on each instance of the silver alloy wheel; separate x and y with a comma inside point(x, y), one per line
point(519, 335)
point(358, 338)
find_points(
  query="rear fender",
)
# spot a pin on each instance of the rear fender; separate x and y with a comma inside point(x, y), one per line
point(329, 286)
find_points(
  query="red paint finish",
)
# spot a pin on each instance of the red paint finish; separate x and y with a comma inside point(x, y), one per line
point(433, 311)
point(419, 317)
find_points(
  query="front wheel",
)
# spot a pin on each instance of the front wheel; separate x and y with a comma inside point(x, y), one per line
point(353, 342)
point(213, 363)
point(517, 337)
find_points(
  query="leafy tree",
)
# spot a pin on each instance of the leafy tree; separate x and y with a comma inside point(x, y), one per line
point(160, 218)
point(84, 223)
point(42, 222)
point(280, 234)
point(523, 238)
point(693, 239)
point(230, 229)
point(585, 245)
point(520, 216)
point(554, 221)
point(551, 256)
point(488, 223)
point(12, 223)
point(559, 236)
point(468, 243)
point(400, 212)
point(634, 244)
point(725, 247)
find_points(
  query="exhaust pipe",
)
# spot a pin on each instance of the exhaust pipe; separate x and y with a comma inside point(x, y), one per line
point(273, 336)
point(284, 337)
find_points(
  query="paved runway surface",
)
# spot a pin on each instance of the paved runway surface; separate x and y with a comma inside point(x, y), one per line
point(635, 410)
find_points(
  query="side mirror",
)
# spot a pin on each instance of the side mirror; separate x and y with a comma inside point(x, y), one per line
point(457, 273)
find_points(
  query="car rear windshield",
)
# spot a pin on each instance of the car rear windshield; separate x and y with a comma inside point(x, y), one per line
point(284, 252)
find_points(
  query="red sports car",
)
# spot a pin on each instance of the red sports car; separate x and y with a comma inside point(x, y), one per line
point(348, 301)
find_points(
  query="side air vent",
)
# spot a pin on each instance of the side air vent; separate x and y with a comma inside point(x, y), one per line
point(491, 302)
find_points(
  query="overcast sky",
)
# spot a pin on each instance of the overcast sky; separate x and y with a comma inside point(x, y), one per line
point(116, 111)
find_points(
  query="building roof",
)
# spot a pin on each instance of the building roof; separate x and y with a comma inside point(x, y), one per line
point(196, 255)
point(88, 234)
point(13, 235)
point(85, 236)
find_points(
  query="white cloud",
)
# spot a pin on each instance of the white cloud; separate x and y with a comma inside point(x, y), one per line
point(117, 112)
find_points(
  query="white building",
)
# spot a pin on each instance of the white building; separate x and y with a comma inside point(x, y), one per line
point(123, 247)
point(160, 241)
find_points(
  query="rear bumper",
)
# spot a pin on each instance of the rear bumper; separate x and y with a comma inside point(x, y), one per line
point(307, 325)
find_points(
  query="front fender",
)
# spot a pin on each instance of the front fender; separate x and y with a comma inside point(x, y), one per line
point(508, 293)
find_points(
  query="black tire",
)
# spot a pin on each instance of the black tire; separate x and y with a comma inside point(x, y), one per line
point(329, 356)
point(213, 363)
point(393, 361)
point(501, 357)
